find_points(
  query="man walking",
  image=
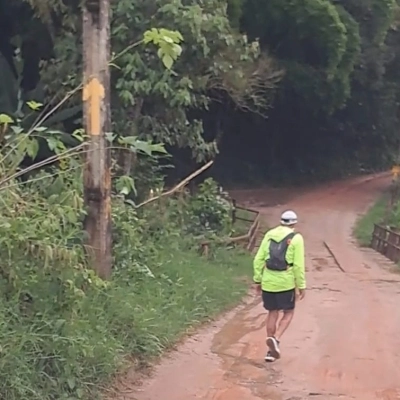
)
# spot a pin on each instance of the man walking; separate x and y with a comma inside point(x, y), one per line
point(278, 272)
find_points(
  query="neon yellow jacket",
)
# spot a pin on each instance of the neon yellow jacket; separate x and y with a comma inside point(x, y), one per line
point(280, 281)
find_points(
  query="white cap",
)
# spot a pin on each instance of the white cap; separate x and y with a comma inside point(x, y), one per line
point(289, 218)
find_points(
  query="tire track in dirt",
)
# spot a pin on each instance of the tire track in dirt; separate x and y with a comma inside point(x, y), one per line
point(345, 339)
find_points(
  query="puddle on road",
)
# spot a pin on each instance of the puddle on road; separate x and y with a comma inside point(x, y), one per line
point(240, 368)
point(241, 324)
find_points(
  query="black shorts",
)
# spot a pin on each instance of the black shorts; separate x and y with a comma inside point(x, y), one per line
point(279, 301)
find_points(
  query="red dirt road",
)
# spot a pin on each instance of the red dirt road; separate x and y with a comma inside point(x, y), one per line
point(344, 342)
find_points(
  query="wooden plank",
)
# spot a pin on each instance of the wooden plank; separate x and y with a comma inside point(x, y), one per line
point(334, 256)
point(396, 255)
point(253, 238)
point(244, 219)
point(246, 209)
point(389, 248)
point(233, 211)
point(374, 239)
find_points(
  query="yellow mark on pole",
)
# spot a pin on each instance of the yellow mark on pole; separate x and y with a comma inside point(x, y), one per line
point(94, 93)
point(396, 170)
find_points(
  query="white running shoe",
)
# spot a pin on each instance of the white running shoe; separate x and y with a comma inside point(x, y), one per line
point(273, 346)
point(269, 358)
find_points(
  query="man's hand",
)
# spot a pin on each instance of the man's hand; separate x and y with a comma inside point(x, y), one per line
point(257, 288)
point(302, 293)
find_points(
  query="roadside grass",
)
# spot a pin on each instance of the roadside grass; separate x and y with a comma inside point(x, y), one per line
point(74, 349)
point(365, 224)
point(187, 290)
point(66, 334)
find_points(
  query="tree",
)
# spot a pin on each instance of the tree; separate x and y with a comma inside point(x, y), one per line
point(148, 100)
point(317, 43)
point(337, 104)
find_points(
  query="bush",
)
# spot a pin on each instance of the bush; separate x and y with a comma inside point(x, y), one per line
point(63, 331)
point(209, 210)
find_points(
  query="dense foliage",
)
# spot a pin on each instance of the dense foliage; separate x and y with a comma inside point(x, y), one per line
point(147, 100)
point(280, 89)
point(64, 332)
point(336, 110)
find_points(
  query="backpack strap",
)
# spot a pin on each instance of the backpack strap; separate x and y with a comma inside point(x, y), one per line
point(288, 238)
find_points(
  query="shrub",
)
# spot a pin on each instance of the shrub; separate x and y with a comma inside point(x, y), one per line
point(209, 210)
point(64, 332)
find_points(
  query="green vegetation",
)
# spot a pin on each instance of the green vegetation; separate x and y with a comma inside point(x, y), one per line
point(69, 344)
point(64, 332)
point(296, 90)
point(335, 111)
point(284, 92)
point(365, 224)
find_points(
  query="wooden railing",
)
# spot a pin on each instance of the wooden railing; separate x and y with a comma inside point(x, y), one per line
point(387, 242)
point(248, 240)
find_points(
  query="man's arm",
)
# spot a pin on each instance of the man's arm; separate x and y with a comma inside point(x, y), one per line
point(259, 260)
point(299, 263)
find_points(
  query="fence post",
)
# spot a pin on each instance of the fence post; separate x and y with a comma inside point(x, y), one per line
point(233, 211)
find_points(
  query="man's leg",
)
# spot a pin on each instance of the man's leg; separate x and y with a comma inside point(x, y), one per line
point(286, 303)
point(269, 300)
point(284, 323)
point(272, 320)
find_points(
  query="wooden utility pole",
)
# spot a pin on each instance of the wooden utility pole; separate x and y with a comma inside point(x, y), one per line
point(97, 122)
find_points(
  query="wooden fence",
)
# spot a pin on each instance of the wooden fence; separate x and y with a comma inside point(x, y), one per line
point(387, 242)
point(248, 240)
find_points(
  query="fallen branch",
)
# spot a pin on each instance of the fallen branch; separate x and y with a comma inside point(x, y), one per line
point(179, 185)
point(334, 257)
point(249, 237)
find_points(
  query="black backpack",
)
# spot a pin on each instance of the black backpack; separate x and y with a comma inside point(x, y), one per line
point(277, 254)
